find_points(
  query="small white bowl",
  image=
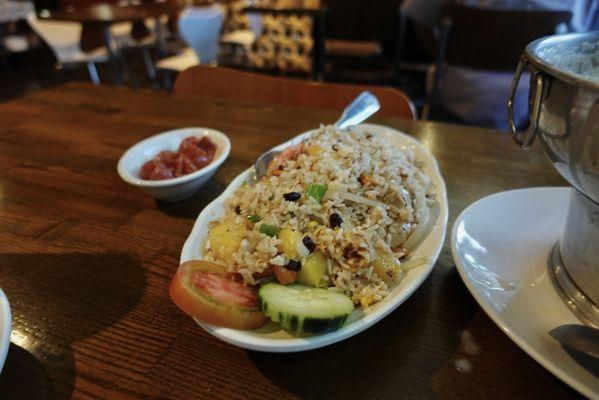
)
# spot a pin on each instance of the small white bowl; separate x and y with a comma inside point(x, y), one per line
point(177, 188)
point(5, 328)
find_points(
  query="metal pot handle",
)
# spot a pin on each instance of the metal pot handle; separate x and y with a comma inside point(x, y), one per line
point(531, 132)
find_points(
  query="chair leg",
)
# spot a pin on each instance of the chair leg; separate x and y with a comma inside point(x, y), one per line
point(431, 103)
point(151, 70)
point(167, 80)
point(400, 45)
point(127, 71)
point(93, 73)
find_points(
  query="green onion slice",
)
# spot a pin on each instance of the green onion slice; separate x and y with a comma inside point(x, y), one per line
point(269, 230)
point(253, 218)
point(316, 191)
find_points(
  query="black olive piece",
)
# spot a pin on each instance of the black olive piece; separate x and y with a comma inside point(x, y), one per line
point(292, 196)
point(293, 265)
point(335, 220)
point(309, 243)
point(237, 210)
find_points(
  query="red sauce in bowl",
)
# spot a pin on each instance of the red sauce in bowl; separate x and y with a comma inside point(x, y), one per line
point(192, 155)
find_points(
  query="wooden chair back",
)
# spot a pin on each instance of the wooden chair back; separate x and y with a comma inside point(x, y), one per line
point(230, 84)
point(490, 39)
point(493, 39)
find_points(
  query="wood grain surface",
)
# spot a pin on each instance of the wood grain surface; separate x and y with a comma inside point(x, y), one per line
point(106, 14)
point(86, 259)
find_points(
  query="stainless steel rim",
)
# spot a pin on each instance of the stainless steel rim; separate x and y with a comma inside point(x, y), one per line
point(575, 79)
point(574, 298)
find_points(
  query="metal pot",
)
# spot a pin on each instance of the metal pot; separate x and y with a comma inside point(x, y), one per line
point(564, 115)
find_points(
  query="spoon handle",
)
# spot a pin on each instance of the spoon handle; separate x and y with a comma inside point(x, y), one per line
point(361, 108)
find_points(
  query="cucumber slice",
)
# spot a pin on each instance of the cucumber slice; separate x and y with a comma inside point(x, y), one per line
point(304, 309)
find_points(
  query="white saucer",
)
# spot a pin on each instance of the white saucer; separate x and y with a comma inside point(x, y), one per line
point(501, 246)
point(5, 327)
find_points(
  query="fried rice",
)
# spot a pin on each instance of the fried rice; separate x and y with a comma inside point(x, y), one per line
point(379, 192)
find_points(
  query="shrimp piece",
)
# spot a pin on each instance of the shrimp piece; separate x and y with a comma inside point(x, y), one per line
point(290, 153)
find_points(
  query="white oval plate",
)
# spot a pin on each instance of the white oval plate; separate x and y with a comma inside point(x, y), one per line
point(5, 327)
point(501, 246)
point(272, 338)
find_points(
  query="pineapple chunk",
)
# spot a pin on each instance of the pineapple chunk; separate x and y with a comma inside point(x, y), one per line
point(225, 238)
point(312, 270)
point(314, 150)
point(289, 240)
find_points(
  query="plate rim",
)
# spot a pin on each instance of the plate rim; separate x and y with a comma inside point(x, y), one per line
point(317, 341)
point(6, 316)
point(494, 316)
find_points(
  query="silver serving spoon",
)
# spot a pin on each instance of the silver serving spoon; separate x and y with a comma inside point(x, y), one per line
point(359, 110)
point(580, 337)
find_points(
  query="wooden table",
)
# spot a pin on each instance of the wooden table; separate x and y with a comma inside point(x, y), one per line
point(101, 17)
point(15, 10)
point(86, 259)
point(106, 14)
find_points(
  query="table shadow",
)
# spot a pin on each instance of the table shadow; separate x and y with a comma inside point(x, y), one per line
point(391, 350)
point(25, 377)
point(56, 300)
point(191, 207)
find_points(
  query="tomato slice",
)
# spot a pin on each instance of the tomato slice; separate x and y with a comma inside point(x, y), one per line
point(208, 292)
